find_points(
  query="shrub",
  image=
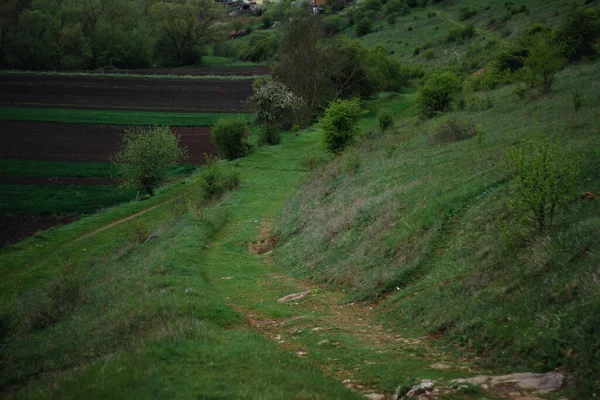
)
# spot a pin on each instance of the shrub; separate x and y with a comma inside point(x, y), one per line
point(385, 120)
point(544, 60)
point(269, 134)
point(145, 156)
point(61, 297)
point(340, 124)
point(225, 49)
point(363, 26)
point(334, 24)
point(545, 176)
point(466, 13)
point(579, 32)
point(438, 93)
point(229, 135)
point(217, 178)
point(261, 46)
point(455, 129)
point(274, 105)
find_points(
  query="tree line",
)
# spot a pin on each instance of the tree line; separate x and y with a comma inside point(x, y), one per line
point(90, 34)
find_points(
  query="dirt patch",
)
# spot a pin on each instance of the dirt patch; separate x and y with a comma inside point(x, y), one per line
point(263, 246)
point(51, 141)
point(13, 229)
point(256, 70)
point(110, 93)
point(35, 180)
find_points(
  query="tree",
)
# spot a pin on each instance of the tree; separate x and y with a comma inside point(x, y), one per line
point(340, 124)
point(182, 28)
point(544, 60)
point(8, 23)
point(438, 93)
point(146, 154)
point(302, 63)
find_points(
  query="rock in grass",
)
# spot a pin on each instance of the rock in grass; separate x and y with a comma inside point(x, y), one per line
point(293, 297)
point(537, 383)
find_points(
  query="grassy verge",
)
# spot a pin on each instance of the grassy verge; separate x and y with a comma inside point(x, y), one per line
point(112, 117)
point(61, 199)
point(31, 168)
point(149, 317)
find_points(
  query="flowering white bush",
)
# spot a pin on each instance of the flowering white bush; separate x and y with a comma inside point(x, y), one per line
point(274, 104)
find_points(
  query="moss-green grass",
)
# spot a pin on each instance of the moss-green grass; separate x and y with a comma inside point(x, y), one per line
point(112, 117)
point(416, 226)
point(61, 199)
point(35, 168)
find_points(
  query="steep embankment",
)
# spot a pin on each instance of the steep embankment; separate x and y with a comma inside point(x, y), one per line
point(410, 218)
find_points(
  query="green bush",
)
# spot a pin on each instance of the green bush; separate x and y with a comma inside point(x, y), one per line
point(363, 26)
point(579, 32)
point(269, 135)
point(340, 124)
point(545, 176)
point(217, 178)
point(146, 155)
point(438, 93)
point(385, 120)
point(544, 60)
point(230, 137)
point(454, 130)
point(334, 24)
point(261, 46)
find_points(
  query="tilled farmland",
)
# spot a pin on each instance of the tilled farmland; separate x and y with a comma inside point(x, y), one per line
point(116, 93)
point(51, 141)
point(42, 140)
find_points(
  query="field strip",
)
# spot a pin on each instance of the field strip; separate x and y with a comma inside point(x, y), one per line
point(149, 76)
point(113, 117)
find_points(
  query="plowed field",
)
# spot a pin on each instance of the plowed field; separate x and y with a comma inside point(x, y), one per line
point(116, 93)
point(50, 141)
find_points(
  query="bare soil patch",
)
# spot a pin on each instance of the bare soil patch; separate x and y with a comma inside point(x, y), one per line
point(110, 93)
point(51, 141)
point(256, 70)
point(13, 229)
point(36, 180)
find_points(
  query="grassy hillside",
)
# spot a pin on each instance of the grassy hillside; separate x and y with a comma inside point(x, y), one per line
point(415, 227)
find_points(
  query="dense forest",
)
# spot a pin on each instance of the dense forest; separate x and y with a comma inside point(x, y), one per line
point(89, 34)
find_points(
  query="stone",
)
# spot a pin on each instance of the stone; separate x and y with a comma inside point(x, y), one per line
point(422, 389)
point(374, 396)
point(439, 366)
point(189, 290)
point(530, 382)
point(293, 297)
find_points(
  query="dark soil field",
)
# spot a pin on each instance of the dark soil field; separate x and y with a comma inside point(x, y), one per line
point(16, 228)
point(115, 93)
point(39, 180)
point(257, 70)
point(50, 141)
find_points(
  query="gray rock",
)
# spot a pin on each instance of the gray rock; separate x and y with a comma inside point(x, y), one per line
point(537, 383)
point(293, 297)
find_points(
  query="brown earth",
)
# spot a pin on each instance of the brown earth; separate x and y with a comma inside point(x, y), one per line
point(256, 70)
point(51, 141)
point(36, 180)
point(110, 93)
point(16, 228)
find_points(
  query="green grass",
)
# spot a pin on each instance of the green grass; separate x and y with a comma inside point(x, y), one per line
point(112, 117)
point(60, 199)
point(138, 327)
point(31, 168)
point(416, 227)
